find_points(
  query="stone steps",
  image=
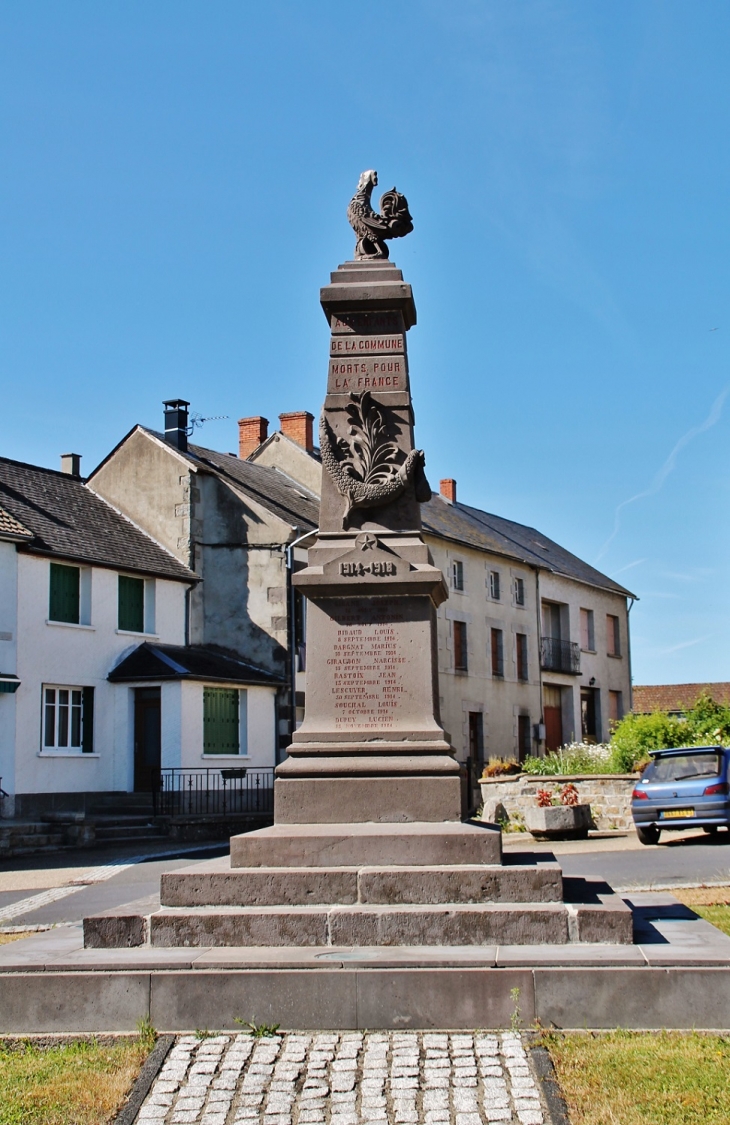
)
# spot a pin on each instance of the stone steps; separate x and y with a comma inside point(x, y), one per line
point(380, 885)
point(362, 925)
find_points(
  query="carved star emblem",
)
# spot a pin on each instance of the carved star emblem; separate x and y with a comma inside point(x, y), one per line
point(366, 542)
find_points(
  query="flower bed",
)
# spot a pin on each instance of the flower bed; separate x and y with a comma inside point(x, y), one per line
point(609, 796)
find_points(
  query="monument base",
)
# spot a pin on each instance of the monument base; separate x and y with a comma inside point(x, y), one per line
point(383, 800)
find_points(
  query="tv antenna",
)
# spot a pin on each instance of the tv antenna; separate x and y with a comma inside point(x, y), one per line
point(198, 420)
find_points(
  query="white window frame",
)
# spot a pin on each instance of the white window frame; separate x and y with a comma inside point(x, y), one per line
point(518, 583)
point(457, 575)
point(57, 747)
point(494, 581)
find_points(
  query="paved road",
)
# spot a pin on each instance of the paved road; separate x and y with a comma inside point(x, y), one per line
point(47, 890)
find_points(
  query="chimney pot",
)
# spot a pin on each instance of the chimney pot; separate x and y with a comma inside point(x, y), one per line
point(71, 464)
point(298, 426)
point(447, 488)
point(176, 423)
point(252, 432)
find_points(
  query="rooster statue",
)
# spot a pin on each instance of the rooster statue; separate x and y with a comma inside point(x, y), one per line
point(371, 228)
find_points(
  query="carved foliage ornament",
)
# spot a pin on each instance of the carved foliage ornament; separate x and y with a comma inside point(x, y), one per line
point(371, 228)
point(369, 469)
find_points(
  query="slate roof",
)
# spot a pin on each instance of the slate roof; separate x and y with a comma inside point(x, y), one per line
point(189, 662)
point(69, 521)
point(486, 532)
point(675, 697)
point(281, 495)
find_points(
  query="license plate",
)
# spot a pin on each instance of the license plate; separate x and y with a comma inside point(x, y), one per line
point(676, 814)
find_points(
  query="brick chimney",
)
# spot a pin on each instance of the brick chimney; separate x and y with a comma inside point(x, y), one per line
point(297, 425)
point(252, 432)
point(447, 488)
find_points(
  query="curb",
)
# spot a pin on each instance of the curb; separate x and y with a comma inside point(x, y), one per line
point(151, 1068)
point(556, 1106)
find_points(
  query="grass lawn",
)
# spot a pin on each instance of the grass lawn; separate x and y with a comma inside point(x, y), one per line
point(643, 1078)
point(5, 938)
point(78, 1083)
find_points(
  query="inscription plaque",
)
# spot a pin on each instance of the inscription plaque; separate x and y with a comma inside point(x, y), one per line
point(365, 374)
point(367, 345)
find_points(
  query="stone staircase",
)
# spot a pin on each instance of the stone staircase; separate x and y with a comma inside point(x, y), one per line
point(368, 885)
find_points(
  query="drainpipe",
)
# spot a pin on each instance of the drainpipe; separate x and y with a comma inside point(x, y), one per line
point(538, 614)
point(628, 654)
point(291, 595)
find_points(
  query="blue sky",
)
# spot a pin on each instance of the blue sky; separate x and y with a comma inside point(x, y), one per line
point(173, 191)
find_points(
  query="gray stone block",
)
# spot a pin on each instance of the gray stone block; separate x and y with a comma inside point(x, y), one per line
point(260, 886)
point(609, 921)
point(298, 926)
point(559, 821)
point(324, 998)
point(463, 924)
point(462, 998)
point(62, 1002)
point(385, 800)
point(115, 931)
point(638, 998)
point(460, 884)
point(358, 845)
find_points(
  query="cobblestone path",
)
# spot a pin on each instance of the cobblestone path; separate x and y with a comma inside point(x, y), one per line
point(346, 1078)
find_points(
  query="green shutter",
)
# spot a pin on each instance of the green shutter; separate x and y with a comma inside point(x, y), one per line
point(87, 721)
point(131, 604)
point(220, 721)
point(63, 602)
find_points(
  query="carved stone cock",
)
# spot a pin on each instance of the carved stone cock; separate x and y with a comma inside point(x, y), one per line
point(371, 228)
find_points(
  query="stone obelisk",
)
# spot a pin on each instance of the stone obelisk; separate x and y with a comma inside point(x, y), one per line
point(371, 747)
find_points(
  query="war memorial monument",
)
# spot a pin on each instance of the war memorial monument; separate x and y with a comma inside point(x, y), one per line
point(368, 849)
point(369, 903)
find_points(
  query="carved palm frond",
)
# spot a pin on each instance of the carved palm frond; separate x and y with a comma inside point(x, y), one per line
point(372, 454)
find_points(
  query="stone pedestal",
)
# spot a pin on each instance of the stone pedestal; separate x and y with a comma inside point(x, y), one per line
point(371, 747)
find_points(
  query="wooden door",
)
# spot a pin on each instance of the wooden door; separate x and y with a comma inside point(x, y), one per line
point(147, 738)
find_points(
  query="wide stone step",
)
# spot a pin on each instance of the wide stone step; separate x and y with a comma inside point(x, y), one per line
point(357, 845)
point(357, 925)
point(212, 885)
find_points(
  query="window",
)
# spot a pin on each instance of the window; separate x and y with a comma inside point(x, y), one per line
point(64, 601)
point(587, 635)
point(521, 655)
point(494, 584)
point(524, 743)
point(613, 635)
point(136, 604)
point(519, 586)
point(224, 721)
point(460, 648)
point(68, 718)
point(615, 707)
point(131, 604)
point(497, 652)
point(457, 575)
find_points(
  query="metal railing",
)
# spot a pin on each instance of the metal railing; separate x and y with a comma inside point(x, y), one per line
point(208, 791)
point(559, 656)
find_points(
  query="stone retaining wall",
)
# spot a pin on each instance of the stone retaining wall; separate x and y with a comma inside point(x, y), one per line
point(608, 794)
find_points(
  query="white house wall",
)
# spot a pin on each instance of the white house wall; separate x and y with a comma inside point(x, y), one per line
point(259, 739)
point(83, 656)
point(8, 660)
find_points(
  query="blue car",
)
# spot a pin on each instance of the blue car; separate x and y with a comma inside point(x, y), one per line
point(680, 789)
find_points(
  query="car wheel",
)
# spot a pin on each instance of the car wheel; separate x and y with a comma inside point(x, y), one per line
point(648, 835)
point(710, 829)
